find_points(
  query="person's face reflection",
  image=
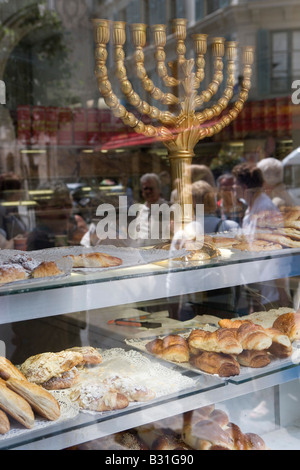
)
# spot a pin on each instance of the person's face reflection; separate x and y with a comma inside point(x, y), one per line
point(150, 191)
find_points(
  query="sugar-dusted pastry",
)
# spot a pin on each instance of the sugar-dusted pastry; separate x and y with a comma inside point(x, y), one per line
point(90, 355)
point(95, 260)
point(43, 367)
point(98, 396)
point(11, 273)
point(132, 389)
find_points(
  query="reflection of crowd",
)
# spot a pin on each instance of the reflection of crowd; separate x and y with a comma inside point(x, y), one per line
point(229, 203)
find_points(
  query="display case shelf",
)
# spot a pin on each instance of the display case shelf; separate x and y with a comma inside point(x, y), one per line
point(117, 287)
point(78, 292)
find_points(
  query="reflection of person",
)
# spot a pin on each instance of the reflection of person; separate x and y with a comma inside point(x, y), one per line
point(204, 193)
point(273, 294)
point(54, 219)
point(272, 170)
point(146, 219)
point(248, 185)
point(202, 172)
point(228, 206)
point(11, 222)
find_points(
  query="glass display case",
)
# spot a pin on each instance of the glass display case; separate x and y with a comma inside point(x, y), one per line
point(96, 309)
point(149, 225)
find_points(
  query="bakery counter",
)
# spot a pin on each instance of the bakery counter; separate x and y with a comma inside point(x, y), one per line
point(87, 427)
point(75, 291)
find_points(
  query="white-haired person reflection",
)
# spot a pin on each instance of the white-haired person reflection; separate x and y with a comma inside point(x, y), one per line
point(249, 184)
point(272, 170)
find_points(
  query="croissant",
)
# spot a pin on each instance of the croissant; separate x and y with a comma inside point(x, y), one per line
point(222, 364)
point(289, 324)
point(222, 340)
point(281, 345)
point(253, 358)
point(227, 323)
point(253, 336)
point(172, 348)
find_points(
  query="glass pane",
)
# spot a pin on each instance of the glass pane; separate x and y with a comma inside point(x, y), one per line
point(296, 40)
point(280, 62)
point(280, 41)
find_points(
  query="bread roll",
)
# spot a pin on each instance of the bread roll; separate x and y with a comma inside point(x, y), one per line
point(15, 406)
point(41, 401)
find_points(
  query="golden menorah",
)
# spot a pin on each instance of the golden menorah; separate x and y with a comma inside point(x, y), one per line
point(183, 124)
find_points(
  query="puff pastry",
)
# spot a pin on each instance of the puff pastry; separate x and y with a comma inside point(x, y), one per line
point(8, 370)
point(130, 388)
point(41, 401)
point(45, 269)
point(15, 406)
point(90, 355)
point(4, 423)
point(95, 260)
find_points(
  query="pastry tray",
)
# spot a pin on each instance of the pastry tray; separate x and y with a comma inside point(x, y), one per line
point(65, 266)
point(130, 256)
point(246, 373)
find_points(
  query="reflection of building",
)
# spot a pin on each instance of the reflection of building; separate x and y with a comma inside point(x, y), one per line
point(56, 111)
point(267, 119)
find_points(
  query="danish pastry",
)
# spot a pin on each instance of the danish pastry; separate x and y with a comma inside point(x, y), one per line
point(11, 273)
point(45, 269)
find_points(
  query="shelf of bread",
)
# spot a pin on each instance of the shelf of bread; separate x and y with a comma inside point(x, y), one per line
point(61, 393)
point(144, 275)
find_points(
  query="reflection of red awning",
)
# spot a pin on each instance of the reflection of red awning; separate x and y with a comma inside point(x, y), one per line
point(131, 140)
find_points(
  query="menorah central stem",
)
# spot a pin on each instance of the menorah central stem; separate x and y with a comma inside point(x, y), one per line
point(180, 162)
